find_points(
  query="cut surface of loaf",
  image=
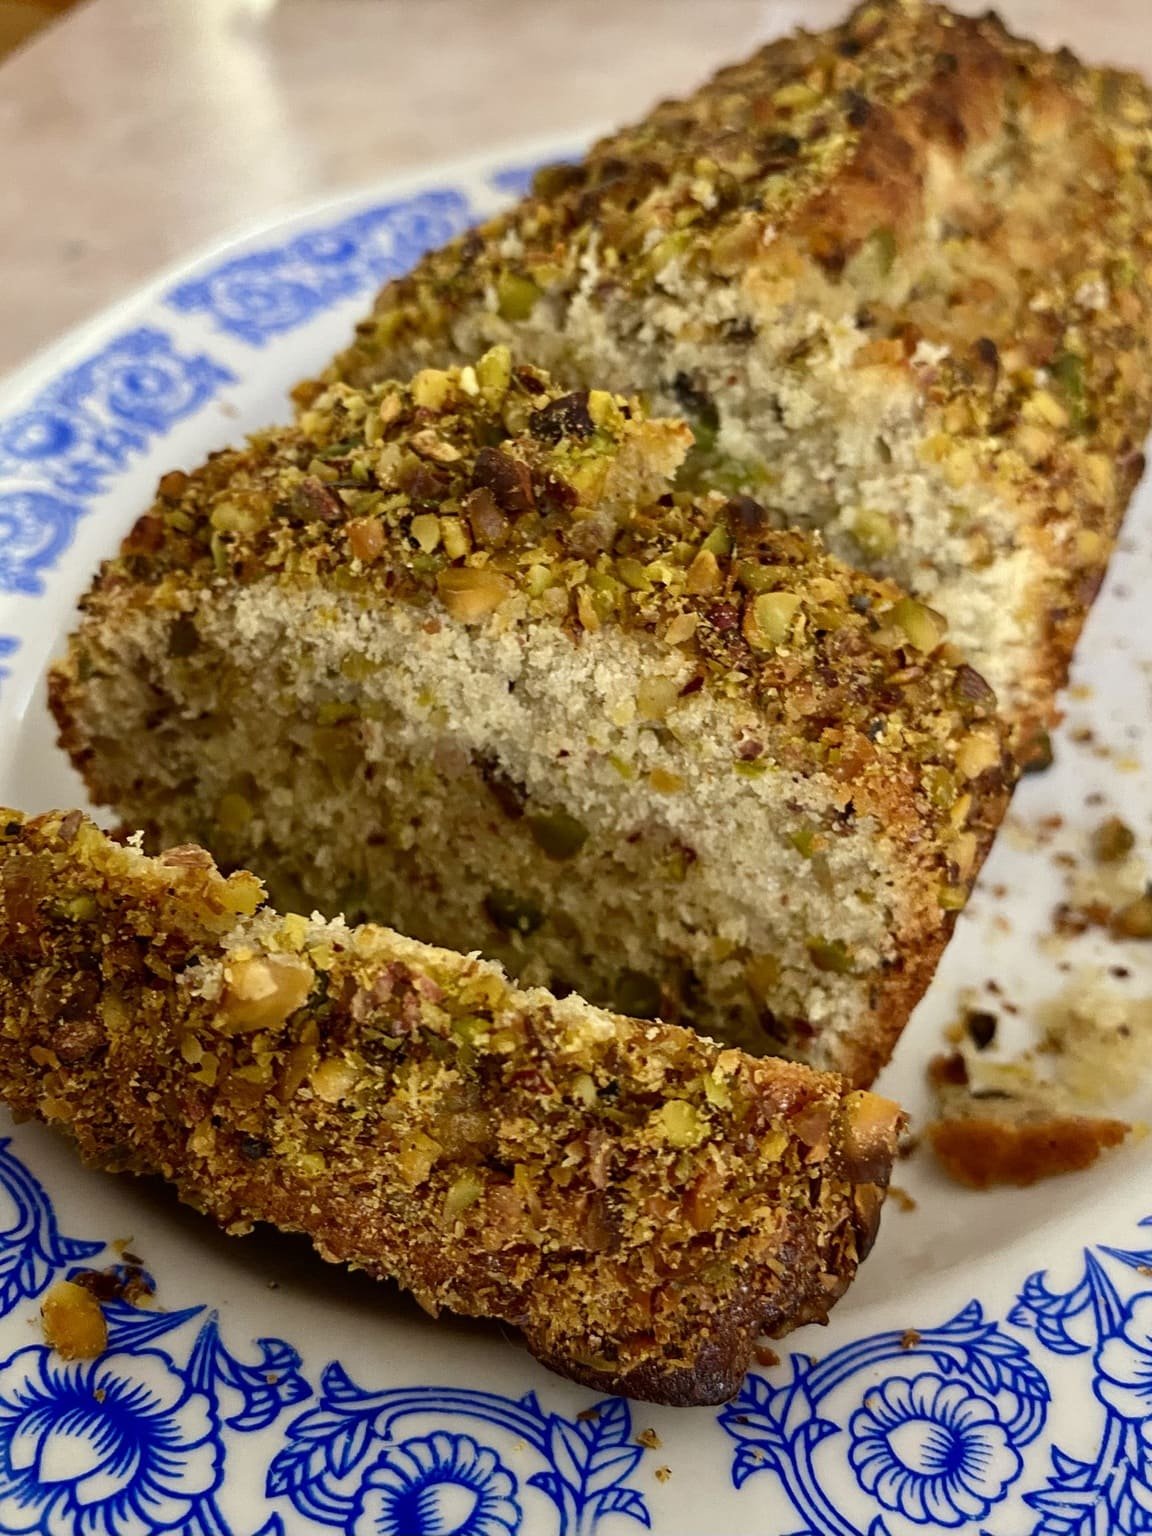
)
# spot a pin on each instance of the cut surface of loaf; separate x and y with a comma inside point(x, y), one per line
point(897, 274)
point(451, 655)
point(640, 1202)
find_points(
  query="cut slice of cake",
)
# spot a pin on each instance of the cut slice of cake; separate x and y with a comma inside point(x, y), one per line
point(898, 275)
point(640, 1202)
point(451, 656)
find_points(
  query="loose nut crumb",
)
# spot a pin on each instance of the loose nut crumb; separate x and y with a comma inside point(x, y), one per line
point(663, 1474)
point(650, 1439)
point(74, 1325)
point(909, 1339)
point(1112, 840)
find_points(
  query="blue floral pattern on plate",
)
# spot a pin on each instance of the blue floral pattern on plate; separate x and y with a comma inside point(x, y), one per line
point(935, 1426)
point(932, 1449)
point(263, 293)
point(121, 1445)
point(84, 428)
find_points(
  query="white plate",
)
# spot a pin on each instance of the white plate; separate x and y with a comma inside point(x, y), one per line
point(991, 1371)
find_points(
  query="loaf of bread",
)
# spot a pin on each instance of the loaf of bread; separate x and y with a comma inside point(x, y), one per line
point(895, 273)
point(454, 656)
point(639, 1201)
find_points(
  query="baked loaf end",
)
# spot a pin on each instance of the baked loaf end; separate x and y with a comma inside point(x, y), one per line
point(451, 656)
point(640, 1202)
point(898, 275)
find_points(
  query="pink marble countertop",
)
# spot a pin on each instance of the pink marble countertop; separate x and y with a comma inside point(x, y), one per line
point(135, 132)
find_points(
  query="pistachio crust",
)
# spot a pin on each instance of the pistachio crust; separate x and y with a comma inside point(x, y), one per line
point(518, 503)
point(913, 220)
point(484, 503)
point(639, 1201)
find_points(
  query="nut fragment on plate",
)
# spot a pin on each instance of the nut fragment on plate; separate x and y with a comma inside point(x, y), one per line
point(74, 1324)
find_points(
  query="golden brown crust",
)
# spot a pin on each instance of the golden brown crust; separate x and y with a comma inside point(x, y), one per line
point(982, 1151)
point(957, 187)
point(637, 1200)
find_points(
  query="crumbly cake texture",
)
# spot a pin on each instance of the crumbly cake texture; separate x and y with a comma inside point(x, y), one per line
point(1018, 1133)
point(898, 275)
point(642, 1203)
point(452, 655)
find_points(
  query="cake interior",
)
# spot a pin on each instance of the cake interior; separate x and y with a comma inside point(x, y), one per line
point(529, 804)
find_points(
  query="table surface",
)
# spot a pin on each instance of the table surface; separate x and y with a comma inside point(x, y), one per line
point(137, 131)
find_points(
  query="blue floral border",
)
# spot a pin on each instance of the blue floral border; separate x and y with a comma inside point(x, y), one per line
point(62, 451)
point(264, 293)
point(887, 1435)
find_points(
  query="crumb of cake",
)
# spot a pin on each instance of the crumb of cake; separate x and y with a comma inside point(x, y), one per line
point(1047, 1111)
point(662, 1474)
point(910, 1339)
point(74, 1325)
point(985, 1151)
point(1112, 840)
point(128, 1282)
point(980, 1027)
point(649, 1439)
point(1134, 919)
point(766, 1356)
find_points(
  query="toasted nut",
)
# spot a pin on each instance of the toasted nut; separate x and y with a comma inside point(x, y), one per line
point(74, 1325)
point(417, 1157)
point(471, 595)
point(425, 529)
point(875, 532)
point(768, 619)
point(870, 1128)
point(682, 628)
point(430, 445)
point(333, 1080)
point(490, 527)
point(656, 696)
point(1112, 840)
point(976, 754)
point(515, 296)
point(494, 372)
point(366, 538)
point(464, 1191)
point(1135, 920)
point(679, 1123)
point(262, 992)
point(703, 575)
point(923, 626)
point(431, 388)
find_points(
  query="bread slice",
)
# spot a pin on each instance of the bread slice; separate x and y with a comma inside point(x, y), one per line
point(451, 656)
point(640, 1202)
point(897, 273)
